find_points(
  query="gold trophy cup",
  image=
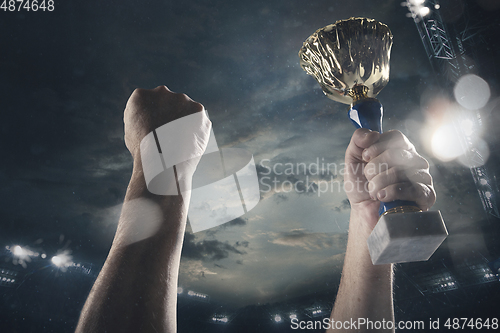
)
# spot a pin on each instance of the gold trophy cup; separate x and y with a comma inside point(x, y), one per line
point(350, 61)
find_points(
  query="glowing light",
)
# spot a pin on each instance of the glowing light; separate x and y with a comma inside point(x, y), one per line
point(43, 256)
point(424, 11)
point(196, 294)
point(19, 251)
point(62, 259)
point(417, 2)
point(446, 143)
point(220, 319)
point(179, 290)
point(21, 255)
point(483, 182)
point(315, 312)
point(437, 6)
point(293, 316)
point(56, 260)
point(277, 318)
point(472, 92)
point(488, 194)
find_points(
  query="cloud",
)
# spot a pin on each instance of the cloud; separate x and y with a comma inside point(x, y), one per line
point(190, 270)
point(209, 250)
point(237, 222)
point(344, 205)
point(310, 241)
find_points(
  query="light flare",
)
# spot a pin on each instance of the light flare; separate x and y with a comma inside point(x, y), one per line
point(472, 92)
point(63, 259)
point(446, 144)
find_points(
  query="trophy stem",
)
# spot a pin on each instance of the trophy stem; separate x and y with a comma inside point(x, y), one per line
point(358, 93)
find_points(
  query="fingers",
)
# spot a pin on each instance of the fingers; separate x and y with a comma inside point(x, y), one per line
point(392, 166)
point(360, 140)
point(364, 138)
point(160, 105)
point(389, 140)
point(393, 149)
point(394, 158)
point(423, 195)
point(398, 183)
point(395, 171)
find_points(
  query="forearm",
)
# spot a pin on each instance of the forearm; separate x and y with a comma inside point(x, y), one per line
point(136, 290)
point(365, 290)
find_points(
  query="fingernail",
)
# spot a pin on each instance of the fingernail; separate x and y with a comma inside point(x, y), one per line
point(381, 194)
point(365, 155)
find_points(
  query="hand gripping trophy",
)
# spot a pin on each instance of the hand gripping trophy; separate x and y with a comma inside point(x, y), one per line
point(350, 60)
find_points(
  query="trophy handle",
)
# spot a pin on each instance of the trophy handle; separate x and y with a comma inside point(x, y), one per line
point(368, 113)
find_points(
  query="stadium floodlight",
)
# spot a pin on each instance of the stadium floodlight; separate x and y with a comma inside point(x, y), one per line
point(18, 251)
point(220, 319)
point(21, 255)
point(199, 296)
point(424, 11)
point(417, 9)
point(63, 260)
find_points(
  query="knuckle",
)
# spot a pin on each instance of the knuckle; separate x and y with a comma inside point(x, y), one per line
point(162, 88)
point(198, 106)
point(397, 134)
point(183, 97)
point(426, 177)
point(361, 131)
point(423, 162)
point(138, 93)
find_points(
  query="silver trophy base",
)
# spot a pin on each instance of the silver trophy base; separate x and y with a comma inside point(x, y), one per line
point(406, 237)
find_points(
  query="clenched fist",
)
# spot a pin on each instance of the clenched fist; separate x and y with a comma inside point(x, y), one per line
point(147, 110)
point(385, 167)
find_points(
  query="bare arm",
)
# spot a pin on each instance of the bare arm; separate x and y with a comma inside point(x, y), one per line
point(136, 291)
point(380, 167)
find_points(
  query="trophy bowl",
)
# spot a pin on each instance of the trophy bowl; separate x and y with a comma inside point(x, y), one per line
point(349, 54)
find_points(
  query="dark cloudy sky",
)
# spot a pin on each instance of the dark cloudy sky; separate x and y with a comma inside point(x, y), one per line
point(66, 75)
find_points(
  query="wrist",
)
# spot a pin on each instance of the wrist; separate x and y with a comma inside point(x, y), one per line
point(365, 215)
point(361, 226)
